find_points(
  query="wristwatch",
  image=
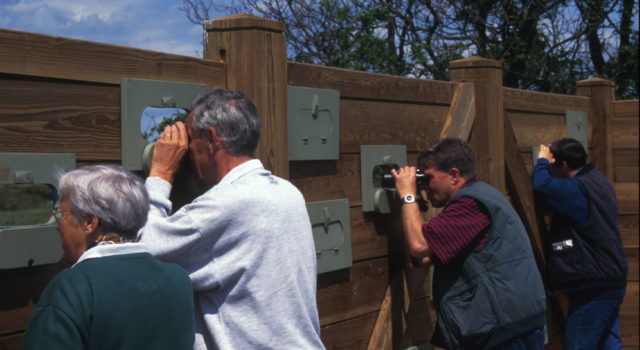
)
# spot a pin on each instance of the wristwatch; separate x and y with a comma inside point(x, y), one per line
point(409, 199)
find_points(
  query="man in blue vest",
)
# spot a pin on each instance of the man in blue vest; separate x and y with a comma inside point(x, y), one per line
point(487, 290)
point(585, 257)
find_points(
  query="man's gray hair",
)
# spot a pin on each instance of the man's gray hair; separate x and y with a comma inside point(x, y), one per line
point(234, 117)
point(115, 195)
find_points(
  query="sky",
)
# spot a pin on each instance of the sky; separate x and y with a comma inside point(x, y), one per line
point(156, 25)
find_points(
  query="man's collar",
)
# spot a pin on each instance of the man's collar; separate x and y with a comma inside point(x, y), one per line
point(241, 170)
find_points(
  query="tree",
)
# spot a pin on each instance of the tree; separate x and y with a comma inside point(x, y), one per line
point(545, 45)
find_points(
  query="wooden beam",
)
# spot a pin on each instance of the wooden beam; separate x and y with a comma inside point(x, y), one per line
point(56, 57)
point(382, 335)
point(462, 113)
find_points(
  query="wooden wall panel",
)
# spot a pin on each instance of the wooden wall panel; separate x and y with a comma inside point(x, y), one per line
point(372, 86)
point(627, 193)
point(532, 129)
point(629, 230)
point(541, 102)
point(629, 317)
point(384, 123)
point(625, 163)
point(55, 57)
point(632, 257)
point(352, 292)
point(331, 179)
point(352, 334)
point(625, 133)
point(45, 115)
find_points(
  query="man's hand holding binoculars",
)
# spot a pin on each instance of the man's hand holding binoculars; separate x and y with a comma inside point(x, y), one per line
point(405, 180)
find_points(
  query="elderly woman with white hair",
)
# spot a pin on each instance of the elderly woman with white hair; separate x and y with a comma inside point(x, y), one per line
point(116, 295)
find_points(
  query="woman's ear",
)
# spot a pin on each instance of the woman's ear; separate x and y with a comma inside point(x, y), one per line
point(91, 224)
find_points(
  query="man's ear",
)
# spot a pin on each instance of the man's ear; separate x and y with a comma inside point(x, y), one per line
point(454, 174)
point(215, 142)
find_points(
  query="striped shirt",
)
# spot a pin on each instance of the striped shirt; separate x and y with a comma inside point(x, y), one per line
point(460, 227)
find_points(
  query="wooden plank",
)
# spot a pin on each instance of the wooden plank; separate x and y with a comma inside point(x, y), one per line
point(56, 57)
point(629, 230)
point(44, 115)
point(632, 261)
point(542, 102)
point(353, 292)
point(366, 242)
point(255, 63)
point(352, 334)
point(12, 342)
point(629, 316)
point(17, 301)
point(626, 167)
point(327, 180)
point(532, 129)
point(462, 113)
point(382, 336)
point(627, 193)
point(626, 109)
point(625, 133)
point(364, 85)
point(384, 123)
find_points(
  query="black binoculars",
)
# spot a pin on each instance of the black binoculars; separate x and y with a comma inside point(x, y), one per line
point(382, 177)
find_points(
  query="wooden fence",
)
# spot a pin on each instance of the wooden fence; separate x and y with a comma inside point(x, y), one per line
point(63, 95)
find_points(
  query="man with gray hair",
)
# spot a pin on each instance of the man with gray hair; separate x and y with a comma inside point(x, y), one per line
point(246, 242)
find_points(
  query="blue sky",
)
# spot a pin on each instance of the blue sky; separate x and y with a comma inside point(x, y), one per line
point(156, 25)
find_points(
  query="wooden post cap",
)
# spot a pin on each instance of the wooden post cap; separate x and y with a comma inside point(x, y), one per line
point(595, 82)
point(475, 62)
point(243, 21)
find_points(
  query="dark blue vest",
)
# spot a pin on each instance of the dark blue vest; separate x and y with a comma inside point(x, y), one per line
point(492, 294)
point(594, 257)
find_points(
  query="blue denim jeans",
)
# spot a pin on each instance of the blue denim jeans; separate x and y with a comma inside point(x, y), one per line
point(531, 341)
point(593, 321)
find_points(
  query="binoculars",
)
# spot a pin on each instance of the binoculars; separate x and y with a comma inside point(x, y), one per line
point(382, 177)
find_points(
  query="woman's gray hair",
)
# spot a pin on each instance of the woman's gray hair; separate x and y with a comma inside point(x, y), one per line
point(234, 117)
point(115, 195)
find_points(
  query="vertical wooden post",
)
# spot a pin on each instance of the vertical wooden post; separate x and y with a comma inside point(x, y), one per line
point(487, 136)
point(601, 120)
point(254, 53)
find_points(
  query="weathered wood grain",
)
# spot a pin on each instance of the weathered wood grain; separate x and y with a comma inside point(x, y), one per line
point(462, 113)
point(385, 123)
point(12, 342)
point(45, 115)
point(626, 109)
point(632, 256)
point(627, 193)
point(366, 242)
point(625, 133)
point(352, 334)
point(542, 102)
point(56, 57)
point(382, 336)
point(349, 293)
point(629, 316)
point(373, 86)
point(625, 165)
point(332, 179)
point(533, 129)
point(629, 230)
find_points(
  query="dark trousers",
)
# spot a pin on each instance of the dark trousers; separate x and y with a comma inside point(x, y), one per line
point(594, 321)
point(530, 341)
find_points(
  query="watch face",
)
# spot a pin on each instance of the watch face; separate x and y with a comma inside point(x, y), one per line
point(409, 198)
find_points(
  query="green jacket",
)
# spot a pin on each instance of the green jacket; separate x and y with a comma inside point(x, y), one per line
point(115, 297)
point(495, 293)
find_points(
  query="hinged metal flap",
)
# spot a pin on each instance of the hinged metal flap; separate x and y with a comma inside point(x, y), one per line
point(331, 234)
point(30, 244)
point(313, 123)
point(135, 96)
point(376, 199)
